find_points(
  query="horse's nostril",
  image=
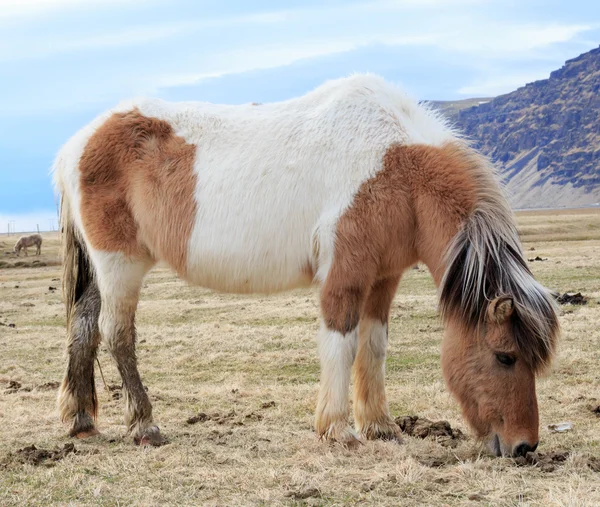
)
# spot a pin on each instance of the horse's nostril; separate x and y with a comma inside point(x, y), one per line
point(523, 448)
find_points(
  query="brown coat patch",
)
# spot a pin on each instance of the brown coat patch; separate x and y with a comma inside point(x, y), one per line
point(443, 192)
point(137, 189)
point(408, 211)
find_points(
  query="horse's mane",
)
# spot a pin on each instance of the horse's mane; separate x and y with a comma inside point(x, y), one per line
point(484, 261)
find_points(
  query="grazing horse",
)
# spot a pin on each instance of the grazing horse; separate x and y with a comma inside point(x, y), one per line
point(25, 241)
point(347, 187)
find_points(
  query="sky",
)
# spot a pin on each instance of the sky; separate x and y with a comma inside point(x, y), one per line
point(62, 62)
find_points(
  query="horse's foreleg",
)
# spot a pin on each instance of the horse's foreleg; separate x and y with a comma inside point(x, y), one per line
point(77, 399)
point(25, 249)
point(337, 348)
point(371, 412)
point(120, 282)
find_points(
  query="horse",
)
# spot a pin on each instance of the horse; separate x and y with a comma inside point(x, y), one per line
point(344, 188)
point(25, 241)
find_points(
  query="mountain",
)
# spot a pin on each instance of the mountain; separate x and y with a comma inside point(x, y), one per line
point(544, 137)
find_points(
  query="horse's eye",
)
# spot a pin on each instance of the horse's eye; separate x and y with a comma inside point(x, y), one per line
point(506, 359)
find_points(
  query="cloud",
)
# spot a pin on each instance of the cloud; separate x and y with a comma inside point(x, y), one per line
point(269, 57)
point(503, 39)
point(515, 42)
point(113, 59)
point(16, 8)
point(529, 54)
point(126, 37)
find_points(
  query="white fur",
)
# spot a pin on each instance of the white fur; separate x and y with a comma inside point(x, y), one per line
point(337, 353)
point(273, 178)
point(119, 280)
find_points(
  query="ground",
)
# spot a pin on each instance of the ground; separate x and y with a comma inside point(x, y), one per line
point(246, 368)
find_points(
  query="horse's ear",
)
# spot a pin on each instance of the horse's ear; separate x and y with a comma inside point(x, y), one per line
point(500, 309)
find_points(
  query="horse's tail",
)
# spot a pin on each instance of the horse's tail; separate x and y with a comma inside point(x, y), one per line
point(77, 399)
point(78, 272)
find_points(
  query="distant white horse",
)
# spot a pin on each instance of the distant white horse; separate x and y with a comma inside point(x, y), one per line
point(346, 187)
point(25, 241)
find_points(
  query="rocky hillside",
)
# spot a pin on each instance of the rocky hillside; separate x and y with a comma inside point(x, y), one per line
point(543, 137)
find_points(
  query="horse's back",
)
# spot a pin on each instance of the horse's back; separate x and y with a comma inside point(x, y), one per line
point(233, 197)
point(268, 179)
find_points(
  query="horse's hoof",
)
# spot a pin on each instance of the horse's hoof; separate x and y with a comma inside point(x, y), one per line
point(351, 442)
point(341, 433)
point(87, 434)
point(383, 431)
point(151, 437)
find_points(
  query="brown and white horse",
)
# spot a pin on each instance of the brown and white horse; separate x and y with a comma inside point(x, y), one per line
point(26, 241)
point(346, 187)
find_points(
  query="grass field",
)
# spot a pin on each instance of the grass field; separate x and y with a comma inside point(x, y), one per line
point(250, 364)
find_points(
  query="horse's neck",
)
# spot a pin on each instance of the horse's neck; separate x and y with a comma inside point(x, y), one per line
point(444, 197)
point(432, 244)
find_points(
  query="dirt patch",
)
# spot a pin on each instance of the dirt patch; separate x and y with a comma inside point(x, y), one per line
point(48, 386)
point(268, 404)
point(15, 387)
point(10, 324)
point(303, 494)
point(27, 264)
point(116, 391)
point(545, 462)
point(420, 427)
point(200, 418)
point(537, 258)
point(31, 455)
point(231, 418)
point(437, 461)
point(595, 410)
point(594, 463)
point(572, 299)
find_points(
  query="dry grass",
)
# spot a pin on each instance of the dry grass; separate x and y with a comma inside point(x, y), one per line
point(215, 353)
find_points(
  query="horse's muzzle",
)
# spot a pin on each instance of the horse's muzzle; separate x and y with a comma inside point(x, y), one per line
point(496, 446)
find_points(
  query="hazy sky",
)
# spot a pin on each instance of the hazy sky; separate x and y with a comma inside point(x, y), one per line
point(64, 61)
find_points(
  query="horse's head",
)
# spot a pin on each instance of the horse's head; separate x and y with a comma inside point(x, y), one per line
point(493, 380)
point(501, 330)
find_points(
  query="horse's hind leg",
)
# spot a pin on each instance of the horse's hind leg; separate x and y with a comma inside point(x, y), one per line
point(120, 280)
point(77, 400)
point(371, 412)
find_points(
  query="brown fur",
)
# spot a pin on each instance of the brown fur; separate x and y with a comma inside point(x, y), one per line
point(371, 411)
point(377, 306)
point(443, 194)
point(408, 211)
point(494, 398)
point(137, 189)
